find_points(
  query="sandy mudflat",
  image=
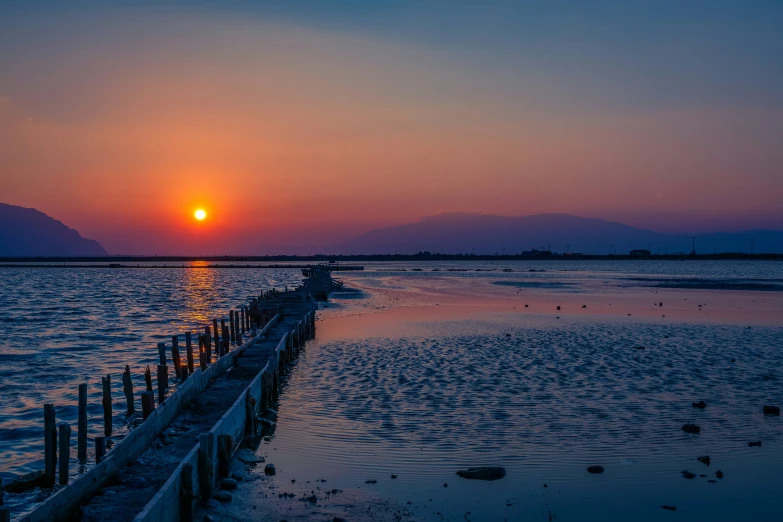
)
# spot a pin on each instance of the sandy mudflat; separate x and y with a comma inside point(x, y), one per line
point(422, 376)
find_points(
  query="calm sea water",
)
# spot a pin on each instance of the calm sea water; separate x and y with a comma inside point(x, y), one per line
point(545, 401)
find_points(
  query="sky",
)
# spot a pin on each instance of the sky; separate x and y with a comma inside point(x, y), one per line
point(308, 122)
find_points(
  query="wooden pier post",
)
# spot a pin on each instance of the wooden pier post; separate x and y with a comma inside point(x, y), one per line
point(264, 393)
point(163, 382)
point(208, 342)
point(50, 445)
point(216, 337)
point(175, 356)
point(162, 353)
point(207, 453)
point(225, 448)
point(186, 493)
point(226, 341)
point(232, 326)
point(81, 436)
point(100, 448)
point(202, 353)
point(65, 451)
point(127, 387)
point(250, 414)
point(107, 414)
point(147, 403)
point(189, 348)
point(148, 378)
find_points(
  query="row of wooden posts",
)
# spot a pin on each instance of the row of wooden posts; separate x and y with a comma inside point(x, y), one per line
point(240, 322)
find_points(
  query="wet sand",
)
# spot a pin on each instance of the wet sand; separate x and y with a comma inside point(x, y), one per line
point(419, 377)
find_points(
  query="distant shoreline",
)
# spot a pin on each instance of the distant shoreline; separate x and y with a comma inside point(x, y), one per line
point(117, 261)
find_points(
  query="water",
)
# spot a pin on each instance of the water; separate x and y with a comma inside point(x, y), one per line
point(63, 327)
point(543, 393)
point(437, 388)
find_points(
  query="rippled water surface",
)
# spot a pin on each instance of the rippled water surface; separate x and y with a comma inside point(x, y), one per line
point(63, 327)
point(433, 389)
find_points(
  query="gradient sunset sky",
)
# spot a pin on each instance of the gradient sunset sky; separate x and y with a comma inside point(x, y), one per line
point(306, 122)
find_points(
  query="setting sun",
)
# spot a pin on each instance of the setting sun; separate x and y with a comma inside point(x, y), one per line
point(200, 214)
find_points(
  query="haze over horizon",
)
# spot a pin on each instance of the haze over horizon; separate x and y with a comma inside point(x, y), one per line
point(300, 123)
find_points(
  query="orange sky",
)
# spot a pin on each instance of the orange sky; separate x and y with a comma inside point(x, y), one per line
point(291, 134)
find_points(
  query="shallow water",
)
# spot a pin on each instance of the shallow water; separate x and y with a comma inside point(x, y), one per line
point(420, 395)
point(424, 396)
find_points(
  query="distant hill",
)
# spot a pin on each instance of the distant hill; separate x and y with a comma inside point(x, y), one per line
point(487, 234)
point(28, 232)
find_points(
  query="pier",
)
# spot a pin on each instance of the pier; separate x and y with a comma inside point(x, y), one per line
point(209, 395)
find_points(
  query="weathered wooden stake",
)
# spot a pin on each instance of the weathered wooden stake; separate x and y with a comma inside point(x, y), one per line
point(208, 341)
point(50, 445)
point(81, 436)
point(186, 493)
point(148, 378)
point(147, 403)
point(127, 387)
point(217, 336)
point(202, 353)
point(162, 353)
point(175, 356)
point(207, 452)
point(163, 381)
point(100, 448)
point(65, 451)
point(189, 348)
point(232, 326)
point(225, 447)
point(226, 340)
point(5, 514)
point(250, 414)
point(107, 414)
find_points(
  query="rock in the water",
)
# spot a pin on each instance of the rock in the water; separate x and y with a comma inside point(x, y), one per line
point(691, 428)
point(269, 469)
point(595, 469)
point(700, 404)
point(25, 482)
point(670, 508)
point(370, 481)
point(339, 519)
point(687, 474)
point(394, 476)
point(209, 518)
point(712, 481)
point(238, 475)
point(212, 503)
point(771, 410)
point(754, 443)
point(224, 496)
point(312, 499)
point(228, 483)
point(704, 460)
point(719, 474)
point(486, 473)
